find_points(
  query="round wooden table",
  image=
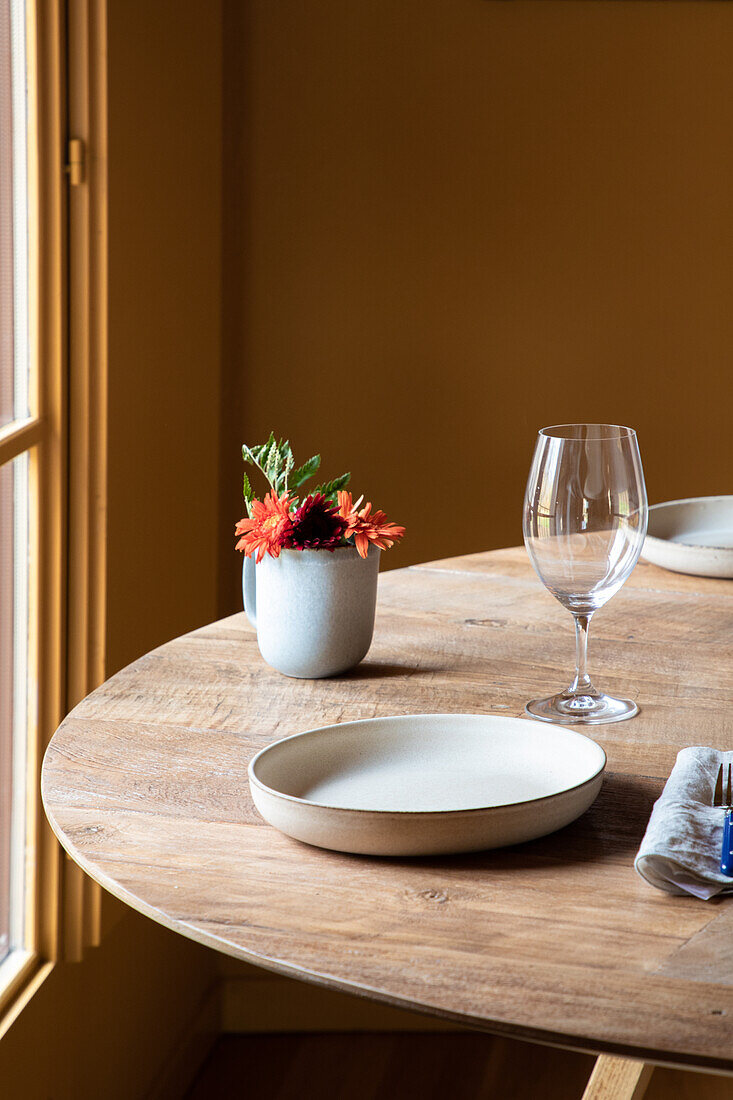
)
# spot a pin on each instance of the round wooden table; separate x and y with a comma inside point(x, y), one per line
point(558, 940)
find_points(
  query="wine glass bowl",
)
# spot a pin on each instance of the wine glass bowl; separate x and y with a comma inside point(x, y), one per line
point(585, 517)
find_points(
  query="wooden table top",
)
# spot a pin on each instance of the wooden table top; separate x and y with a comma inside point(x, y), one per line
point(557, 940)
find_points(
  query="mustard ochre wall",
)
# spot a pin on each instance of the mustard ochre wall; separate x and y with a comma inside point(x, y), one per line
point(164, 535)
point(450, 222)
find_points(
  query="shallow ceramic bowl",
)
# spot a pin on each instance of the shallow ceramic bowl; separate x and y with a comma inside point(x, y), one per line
point(425, 784)
point(692, 536)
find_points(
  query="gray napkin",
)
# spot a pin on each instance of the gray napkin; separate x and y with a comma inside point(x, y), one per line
point(680, 851)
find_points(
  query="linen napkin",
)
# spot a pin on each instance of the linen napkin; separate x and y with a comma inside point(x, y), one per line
point(680, 852)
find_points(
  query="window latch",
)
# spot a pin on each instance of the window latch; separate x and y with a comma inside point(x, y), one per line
point(75, 161)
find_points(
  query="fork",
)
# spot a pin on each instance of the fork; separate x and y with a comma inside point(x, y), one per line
point(724, 799)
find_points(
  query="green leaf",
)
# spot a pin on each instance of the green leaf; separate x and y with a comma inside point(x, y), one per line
point(330, 488)
point(305, 471)
point(255, 455)
point(281, 484)
point(261, 452)
point(273, 463)
point(248, 454)
point(248, 495)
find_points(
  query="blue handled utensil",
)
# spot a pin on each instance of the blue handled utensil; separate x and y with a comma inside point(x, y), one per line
point(723, 797)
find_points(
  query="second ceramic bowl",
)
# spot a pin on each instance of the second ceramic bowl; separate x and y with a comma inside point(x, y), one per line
point(694, 536)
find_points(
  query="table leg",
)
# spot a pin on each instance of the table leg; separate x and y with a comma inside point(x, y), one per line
point(617, 1079)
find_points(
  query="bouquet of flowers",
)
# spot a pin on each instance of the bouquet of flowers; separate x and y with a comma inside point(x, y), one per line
point(327, 519)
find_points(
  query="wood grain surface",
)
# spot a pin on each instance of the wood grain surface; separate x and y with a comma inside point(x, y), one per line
point(613, 1078)
point(557, 940)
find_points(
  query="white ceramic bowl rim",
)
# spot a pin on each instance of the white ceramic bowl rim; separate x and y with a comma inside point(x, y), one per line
point(681, 547)
point(421, 813)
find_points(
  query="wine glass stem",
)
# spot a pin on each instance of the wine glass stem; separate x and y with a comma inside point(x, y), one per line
point(581, 685)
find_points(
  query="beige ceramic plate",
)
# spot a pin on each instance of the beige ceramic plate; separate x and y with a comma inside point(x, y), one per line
point(692, 536)
point(423, 784)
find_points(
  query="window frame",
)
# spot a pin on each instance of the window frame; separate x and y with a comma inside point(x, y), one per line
point(65, 437)
point(42, 435)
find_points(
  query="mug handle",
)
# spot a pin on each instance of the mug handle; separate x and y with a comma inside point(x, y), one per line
point(249, 590)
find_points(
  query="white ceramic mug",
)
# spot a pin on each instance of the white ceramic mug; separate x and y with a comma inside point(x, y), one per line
point(313, 609)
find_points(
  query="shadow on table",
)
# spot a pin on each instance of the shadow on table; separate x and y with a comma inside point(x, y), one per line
point(378, 670)
point(611, 830)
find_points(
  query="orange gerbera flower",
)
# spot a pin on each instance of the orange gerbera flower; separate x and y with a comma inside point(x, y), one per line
point(365, 527)
point(269, 528)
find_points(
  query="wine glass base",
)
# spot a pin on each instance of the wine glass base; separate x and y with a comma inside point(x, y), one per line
point(587, 710)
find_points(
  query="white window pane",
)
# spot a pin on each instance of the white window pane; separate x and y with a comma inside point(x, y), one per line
point(13, 214)
point(7, 306)
point(13, 696)
point(19, 97)
point(13, 475)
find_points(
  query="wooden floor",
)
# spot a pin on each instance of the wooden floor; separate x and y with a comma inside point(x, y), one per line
point(387, 1066)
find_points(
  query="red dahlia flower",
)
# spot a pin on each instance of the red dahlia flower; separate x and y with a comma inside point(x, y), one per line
point(317, 525)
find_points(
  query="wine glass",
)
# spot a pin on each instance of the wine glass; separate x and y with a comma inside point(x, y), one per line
point(585, 516)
